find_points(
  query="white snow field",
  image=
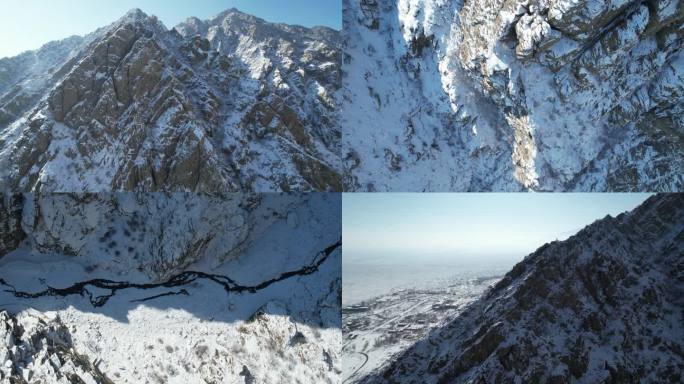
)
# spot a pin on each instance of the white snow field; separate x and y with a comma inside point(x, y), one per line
point(512, 95)
point(279, 328)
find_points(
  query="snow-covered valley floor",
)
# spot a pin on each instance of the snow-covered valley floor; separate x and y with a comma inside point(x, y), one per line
point(206, 334)
point(375, 330)
point(270, 313)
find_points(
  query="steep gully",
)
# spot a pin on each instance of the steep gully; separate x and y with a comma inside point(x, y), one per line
point(181, 279)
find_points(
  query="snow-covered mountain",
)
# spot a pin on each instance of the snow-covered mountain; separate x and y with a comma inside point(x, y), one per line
point(604, 306)
point(512, 95)
point(233, 103)
point(170, 288)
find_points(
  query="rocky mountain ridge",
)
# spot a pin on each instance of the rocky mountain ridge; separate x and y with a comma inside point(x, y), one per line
point(603, 306)
point(229, 104)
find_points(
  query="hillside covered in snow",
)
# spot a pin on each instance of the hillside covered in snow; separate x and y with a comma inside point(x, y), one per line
point(179, 288)
point(604, 306)
point(233, 103)
point(511, 95)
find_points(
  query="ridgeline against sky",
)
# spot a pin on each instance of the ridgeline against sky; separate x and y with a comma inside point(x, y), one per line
point(60, 19)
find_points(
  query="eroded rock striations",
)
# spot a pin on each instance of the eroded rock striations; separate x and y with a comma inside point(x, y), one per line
point(603, 306)
point(228, 104)
point(513, 95)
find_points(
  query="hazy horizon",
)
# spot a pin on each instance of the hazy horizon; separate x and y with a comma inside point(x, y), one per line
point(478, 224)
point(401, 240)
point(30, 24)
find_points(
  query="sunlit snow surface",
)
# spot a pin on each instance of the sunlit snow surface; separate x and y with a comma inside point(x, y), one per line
point(208, 335)
point(422, 119)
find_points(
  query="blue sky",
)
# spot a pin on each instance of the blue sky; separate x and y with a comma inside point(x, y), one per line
point(484, 224)
point(28, 24)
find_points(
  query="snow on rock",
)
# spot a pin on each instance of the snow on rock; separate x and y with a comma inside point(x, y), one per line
point(215, 106)
point(508, 95)
point(38, 349)
point(261, 304)
point(603, 306)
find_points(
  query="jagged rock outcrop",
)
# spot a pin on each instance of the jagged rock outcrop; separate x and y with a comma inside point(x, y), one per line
point(603, 306)
point(38, 349)
point(228, 104)
point(513, 95)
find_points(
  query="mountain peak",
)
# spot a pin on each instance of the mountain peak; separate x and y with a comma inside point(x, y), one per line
point(135, 14)
point(234, 17)
point(235, 14)
point(197, 72)
point(232, 11)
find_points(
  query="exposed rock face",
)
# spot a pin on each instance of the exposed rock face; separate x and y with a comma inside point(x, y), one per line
point(110, 231)
point(38, 349)
point(24, 78)
point(11, 233)
point(602, 306)
point(228, 104)
point(156, 234)
point(513, 94)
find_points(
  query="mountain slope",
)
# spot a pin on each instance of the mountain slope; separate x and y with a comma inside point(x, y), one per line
point(229, 104)
point(513, 95)
point(603, 306)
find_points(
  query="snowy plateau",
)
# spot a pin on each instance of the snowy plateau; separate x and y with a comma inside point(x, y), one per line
point(233, 103)
point(604, 306)
point(513, 95)
point(179, 288)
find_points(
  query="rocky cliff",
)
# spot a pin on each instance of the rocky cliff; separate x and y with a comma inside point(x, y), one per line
point(513, 95)
point(603, 306)
point(228, 104)
point(11, 233)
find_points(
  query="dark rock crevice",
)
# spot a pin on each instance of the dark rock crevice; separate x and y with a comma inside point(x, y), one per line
point(181, 279)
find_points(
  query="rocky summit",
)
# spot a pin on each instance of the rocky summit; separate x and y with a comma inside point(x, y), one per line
point(604, 306)
point(509, 95)
point(228, 104)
